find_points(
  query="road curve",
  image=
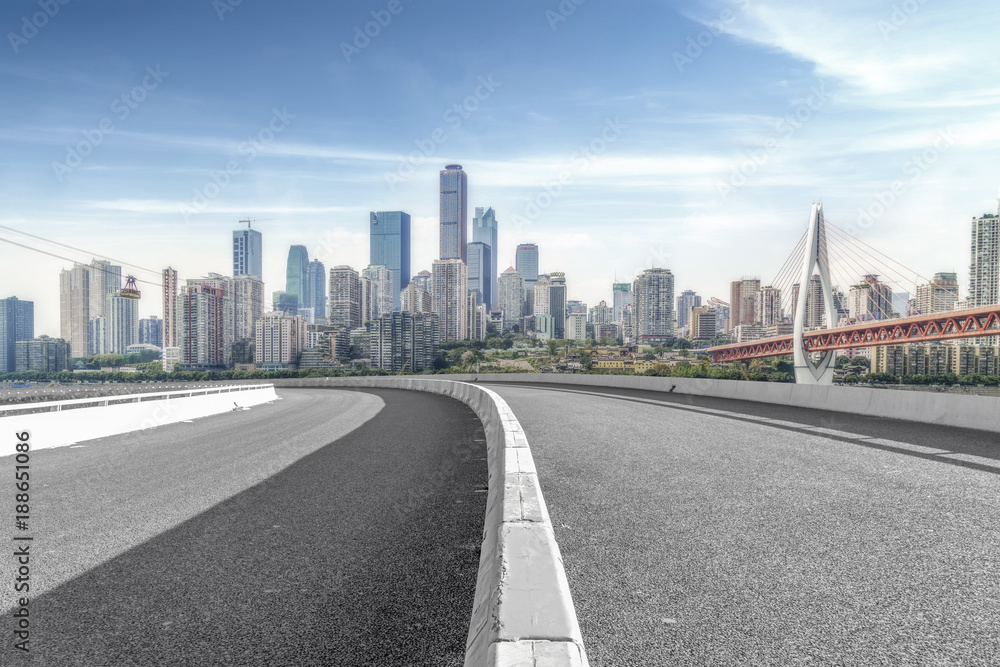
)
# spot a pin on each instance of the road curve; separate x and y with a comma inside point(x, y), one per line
point(701, 531)
point(328, 528)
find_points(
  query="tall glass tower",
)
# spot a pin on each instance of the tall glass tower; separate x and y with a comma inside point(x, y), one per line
point(526, 263)
point(479, 267)
point(296, 278)
point(454, 212)
point(316, 287)
point(248, 251)
point(390, 246)
point(484, 230)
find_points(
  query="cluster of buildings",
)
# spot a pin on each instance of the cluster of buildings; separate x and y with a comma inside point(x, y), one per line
point(386, 316)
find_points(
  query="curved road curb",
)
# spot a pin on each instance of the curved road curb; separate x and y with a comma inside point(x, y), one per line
point(523, 614)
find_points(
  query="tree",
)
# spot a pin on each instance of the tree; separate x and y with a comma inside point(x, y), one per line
point(553, 344)
point(841, 361)
point(586, 360)
point(682, 344)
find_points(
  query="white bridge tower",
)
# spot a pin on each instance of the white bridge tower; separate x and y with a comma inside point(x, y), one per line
point(816, 261)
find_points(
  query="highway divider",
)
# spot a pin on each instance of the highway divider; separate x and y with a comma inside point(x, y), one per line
point(523, 613)
point(60, 423)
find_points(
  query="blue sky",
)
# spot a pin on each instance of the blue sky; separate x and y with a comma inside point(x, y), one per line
point(646, 112)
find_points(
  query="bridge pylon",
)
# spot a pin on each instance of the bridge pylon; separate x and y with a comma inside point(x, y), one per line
point(815, 261)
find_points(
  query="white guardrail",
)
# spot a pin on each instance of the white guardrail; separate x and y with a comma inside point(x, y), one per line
point(523, 614)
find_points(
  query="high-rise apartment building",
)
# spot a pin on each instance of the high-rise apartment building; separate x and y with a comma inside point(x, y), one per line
point(484, 230)
point(815, 304)
point(741, 301)
point(939, 295)
point(477, 315)
point(74, 309)
point(621, 298)
point(510, 297)
point(42, 354)
point(105, 281)
point(479, 256)
point(685, 302)
point(416, 299)
point(767, 306)
point(984, 267)
point(422, 280)
point(17, 322)
point(202, 315)
point(316, 288)
point(703, 324)
point(526, 263)
point(653, 291)
point(170, 319)
point(296, 274)
point(248, 305)
point(602, 313)
point(227, 310)
point(870, 299)
point(576, 326)
point(557, 303)
point(451, 299)
point(248, 253)
point(121, 323)
point(390, 247)
point(540, 300)
point(151, 331)
point(454, 217)
point(345, 297)
point(402, 341)
point(376, 292)
point(278, 341)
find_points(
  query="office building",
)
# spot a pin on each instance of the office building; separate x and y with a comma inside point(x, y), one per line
point(345, 297)
point(480, 258)
point(703, 324)
point(576, 326)
point(557, 303)
point(574, 306)
point(450, 297)
point(390, 247)
point(653, 291)
point(526, 263)
point(401, 341)
point(74, 309)
point(621, 298)
point(151, 331)
point(170, 319)
point(17, 322)
point(286, 303)
point(685, 302)
point(278, 341)
point(42, 354)
point(540, 300)
point(316, 289)
point(510, 298)
point(484, 230)
point(454, 216)
point(296, 275)
point(248, 253)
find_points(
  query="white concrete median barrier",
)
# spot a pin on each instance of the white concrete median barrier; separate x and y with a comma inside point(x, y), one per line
point(61, 423)
point(523, 613)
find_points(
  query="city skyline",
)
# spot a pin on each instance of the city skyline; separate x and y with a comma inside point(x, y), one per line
point(858, 95)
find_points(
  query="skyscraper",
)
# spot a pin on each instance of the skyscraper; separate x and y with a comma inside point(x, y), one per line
point(345, 297)
point(450, 298)
point(685, 302)
point(296, 274)
point(202, 326)
point(248, 253)
point(390, 247)
point(170, 320)
point(278, 340)
point(248, 305)
point(454, 214)
point(316, 287)
point(484, 230)
point(105, 281)
point(767, 304)
point(17, 322)
point(557, 303)
point(376, 292)
point(404, 341)
point(526, 263)
point(622, 297)
point(480, 259)
point(653, 290)
point(74, 309)
point(742, 293)
point(939, 295)
point(510, 297)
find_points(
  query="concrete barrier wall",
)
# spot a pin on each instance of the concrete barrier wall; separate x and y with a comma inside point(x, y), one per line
point(523, 613)
point(60, 423)
point(926, 407)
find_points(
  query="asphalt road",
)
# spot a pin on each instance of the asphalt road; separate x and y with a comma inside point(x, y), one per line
point(699, 531)
point(328, 528)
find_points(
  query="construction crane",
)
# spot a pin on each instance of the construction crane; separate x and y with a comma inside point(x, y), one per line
point(248, 221)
